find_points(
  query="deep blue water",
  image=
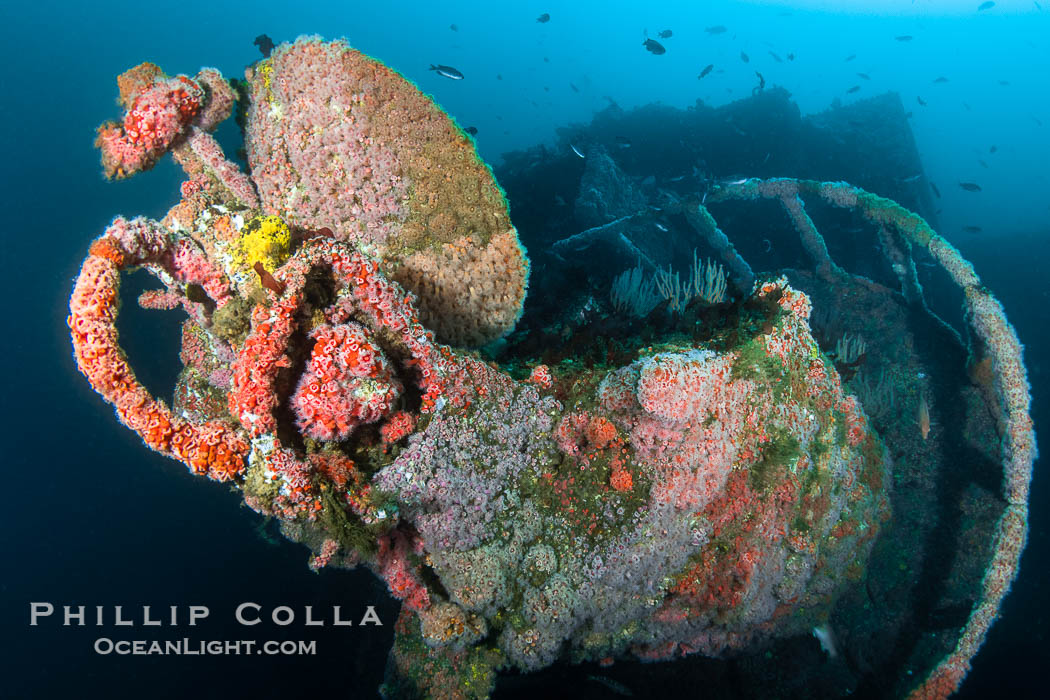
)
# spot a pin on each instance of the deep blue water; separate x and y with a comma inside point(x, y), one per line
point(93, 518)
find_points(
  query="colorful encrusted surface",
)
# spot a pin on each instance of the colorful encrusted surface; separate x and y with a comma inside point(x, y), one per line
point(689, 496)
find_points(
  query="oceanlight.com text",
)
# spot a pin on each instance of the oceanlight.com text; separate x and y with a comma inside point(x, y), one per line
point(198, 647)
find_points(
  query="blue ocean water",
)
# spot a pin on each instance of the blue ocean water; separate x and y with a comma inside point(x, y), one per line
point(96, 519)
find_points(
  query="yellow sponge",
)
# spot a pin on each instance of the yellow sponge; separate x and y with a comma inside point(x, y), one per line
point(264, 239)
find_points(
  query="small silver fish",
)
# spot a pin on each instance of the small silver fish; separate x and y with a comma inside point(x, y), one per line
point(660, 226)
point(576, 150)
point(615, 686)
point(447, 71)
point(826, 638)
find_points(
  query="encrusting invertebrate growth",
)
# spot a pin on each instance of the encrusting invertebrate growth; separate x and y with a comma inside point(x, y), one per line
point(692, 498)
